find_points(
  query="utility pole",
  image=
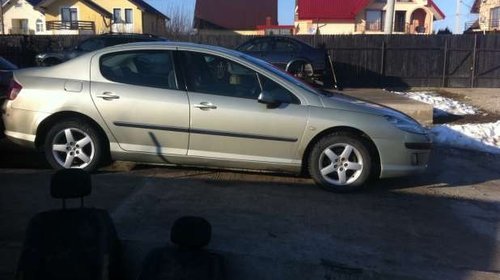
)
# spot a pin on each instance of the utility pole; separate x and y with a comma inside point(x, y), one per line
point(389, 17)
point(458, 19)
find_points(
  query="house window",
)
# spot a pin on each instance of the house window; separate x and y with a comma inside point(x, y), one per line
point(495, 17)
point(117, 15)
point(69, 15)
point(39, 25)
point(375, 20)
point(400, 21)
point(129, 16)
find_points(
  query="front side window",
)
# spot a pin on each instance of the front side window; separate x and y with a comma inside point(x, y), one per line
point(495, 17)
point(278, 92)
point(206, 73)
point(375, 20)
point(141, 68)
point(215, 75)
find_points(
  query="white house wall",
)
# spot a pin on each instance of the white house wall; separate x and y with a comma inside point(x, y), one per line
point(357, 26)
point(21, 9)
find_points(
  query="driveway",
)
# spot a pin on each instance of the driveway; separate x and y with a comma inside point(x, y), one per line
point(444, 224)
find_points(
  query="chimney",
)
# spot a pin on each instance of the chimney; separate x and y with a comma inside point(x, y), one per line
point(268, 21)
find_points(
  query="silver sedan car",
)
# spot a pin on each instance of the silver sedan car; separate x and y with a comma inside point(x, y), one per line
point(189, 104)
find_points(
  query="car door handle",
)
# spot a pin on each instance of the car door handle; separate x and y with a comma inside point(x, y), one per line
point(205, 106)
point(108, 96)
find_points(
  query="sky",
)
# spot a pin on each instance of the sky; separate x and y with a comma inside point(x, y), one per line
point(286, 10)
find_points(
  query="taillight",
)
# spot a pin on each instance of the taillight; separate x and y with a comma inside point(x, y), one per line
point(14, 89)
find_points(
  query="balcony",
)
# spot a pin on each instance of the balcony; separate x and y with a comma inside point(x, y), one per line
point(88, 26)
point(406, 28)
point(21, 31)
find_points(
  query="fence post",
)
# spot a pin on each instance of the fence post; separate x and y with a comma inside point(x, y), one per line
point(473, 68)
point(24, 51)
point(382, 64)
point(445, 62)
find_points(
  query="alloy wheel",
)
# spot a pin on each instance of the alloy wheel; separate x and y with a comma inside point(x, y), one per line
point(341, 164)
point(73, 148)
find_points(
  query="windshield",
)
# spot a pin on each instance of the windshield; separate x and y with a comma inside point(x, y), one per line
point(281, 73)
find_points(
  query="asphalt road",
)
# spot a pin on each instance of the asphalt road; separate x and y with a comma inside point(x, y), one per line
point(443, 224)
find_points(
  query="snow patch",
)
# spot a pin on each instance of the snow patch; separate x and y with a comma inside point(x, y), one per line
point(483, 137)
point(442, 105)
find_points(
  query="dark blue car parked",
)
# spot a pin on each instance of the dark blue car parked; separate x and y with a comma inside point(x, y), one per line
point(290, 54)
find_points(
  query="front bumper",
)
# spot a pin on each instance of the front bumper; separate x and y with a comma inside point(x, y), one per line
point(402, 158)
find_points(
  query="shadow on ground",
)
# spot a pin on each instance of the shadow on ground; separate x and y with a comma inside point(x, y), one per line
point(442, 224)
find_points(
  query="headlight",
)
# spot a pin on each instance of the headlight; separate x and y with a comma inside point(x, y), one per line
point(407, 125)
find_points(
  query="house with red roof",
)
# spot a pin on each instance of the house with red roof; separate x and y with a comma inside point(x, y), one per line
point(256, 17)
point(364, 16)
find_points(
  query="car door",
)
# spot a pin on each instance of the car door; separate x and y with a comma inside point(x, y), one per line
point(227, 121)
point(137, 94)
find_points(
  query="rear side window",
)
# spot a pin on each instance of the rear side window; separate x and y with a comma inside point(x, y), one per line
point(141, 68)
point(284, 46)
point(255, 46)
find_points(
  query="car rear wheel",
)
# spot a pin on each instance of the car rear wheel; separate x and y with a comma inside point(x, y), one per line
point(73, 144)
point(340, 162)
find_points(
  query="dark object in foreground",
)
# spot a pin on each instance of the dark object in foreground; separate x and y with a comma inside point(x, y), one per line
point(78, 243)
point(187, 261)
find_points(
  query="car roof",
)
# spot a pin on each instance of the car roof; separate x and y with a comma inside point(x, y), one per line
point(172, 45)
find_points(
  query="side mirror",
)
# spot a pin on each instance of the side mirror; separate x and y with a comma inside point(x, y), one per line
point(267, 98)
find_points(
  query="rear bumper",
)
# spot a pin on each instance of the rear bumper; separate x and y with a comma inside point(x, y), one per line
point(20, 125)
point(25, 140)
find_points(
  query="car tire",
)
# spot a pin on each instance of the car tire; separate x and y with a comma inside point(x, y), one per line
point(73, 144)
point(340, 162)
point(301, 69)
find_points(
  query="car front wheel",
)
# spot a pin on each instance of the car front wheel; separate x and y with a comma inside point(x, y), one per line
point(340, 163)
point(73, 144)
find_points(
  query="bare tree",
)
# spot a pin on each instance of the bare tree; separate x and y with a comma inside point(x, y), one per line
point(181, 16)
point(181, 22)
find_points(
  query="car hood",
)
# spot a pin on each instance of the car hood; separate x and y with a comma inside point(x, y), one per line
point(340, 101)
